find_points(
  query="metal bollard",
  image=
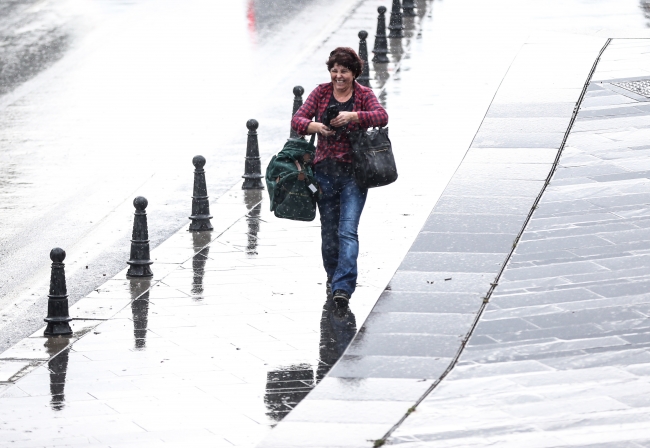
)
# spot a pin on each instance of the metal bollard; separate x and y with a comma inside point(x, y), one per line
point(408, 6)
point(253, 168)
point(364, 79)
point(57, 304)
point(200, 203)
point(396, 25)
point(381, 42)
point(140, 262)
point(297, 102)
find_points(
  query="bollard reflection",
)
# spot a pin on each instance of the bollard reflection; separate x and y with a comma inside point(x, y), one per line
point(409, 26)
point(200, 243)
point(645, 7)
point(396, 50)
point(381, 76)
point(58, 367)
point(285, 388)
point(140, 311)
point(336, 332)
point(253, 201)
point(421, 8)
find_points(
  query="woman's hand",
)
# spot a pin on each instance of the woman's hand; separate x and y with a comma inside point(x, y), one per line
point(344, 118)
point(320, 128)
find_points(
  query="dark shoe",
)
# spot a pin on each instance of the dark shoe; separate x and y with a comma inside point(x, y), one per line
point(328, 287)
point(341, 299)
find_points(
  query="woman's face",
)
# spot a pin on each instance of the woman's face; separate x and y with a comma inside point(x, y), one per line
point(342, 78)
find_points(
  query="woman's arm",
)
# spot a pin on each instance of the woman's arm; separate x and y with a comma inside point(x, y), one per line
point(373, 115)
point(301, 121)
point(316, 127)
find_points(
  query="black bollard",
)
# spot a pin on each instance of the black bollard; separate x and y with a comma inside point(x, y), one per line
point(364, 79)
point(200, 203)
point(253, 168)
point(140, 262)
point(409, 8)
point(396, 26)
point(57, 305)
point(297, 102)
point(381, 42)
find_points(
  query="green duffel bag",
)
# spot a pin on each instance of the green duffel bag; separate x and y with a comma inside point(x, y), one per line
point(293, 190)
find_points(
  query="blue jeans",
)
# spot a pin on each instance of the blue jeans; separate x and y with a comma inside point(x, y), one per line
point(340, 208)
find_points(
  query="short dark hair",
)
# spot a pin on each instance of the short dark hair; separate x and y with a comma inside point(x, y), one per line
point(348, 58)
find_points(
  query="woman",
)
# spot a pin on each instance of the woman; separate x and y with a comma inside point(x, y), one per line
point(341, 201)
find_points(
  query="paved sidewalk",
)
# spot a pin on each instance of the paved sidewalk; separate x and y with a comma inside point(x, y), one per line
point(419, 326)
point(561, 356)
point(235, 329)
point(231, 333)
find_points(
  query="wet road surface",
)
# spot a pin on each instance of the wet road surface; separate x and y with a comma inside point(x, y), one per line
point(137, 89)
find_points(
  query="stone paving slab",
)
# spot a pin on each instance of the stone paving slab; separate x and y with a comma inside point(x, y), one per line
point(422, 320)
point(561, 354)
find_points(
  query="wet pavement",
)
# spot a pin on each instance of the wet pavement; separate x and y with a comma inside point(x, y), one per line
point(138, 89)
point(420, 323)
point(134, 90)
point(560, 355)
point(239, 331)
point(229, 337)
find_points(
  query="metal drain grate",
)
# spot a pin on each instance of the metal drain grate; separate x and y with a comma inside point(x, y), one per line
point(639, 87)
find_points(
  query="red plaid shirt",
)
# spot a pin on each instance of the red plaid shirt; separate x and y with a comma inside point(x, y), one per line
point(370, 112)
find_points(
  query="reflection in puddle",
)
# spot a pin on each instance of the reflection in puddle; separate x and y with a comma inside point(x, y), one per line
point(409, 26)
point(253, 201)
point(395, 49)
point(286, 387)
point(645, 7)
point(421, 6)
point(58, 366)
point(381, 75)
point(336, 332)
point(200, 241)
point(140, 311)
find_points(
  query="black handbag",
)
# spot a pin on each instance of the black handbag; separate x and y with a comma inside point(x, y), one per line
point(372, 158)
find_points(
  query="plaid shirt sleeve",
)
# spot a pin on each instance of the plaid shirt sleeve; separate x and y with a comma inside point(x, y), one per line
point(372, 115)
point(307, 111)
